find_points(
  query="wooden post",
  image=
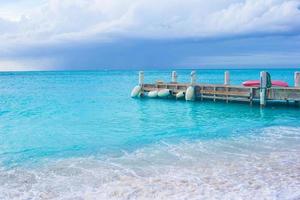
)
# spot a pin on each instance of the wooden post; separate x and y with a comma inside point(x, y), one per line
point(226, 78)
point(251, 96)
point(263, 88)
point(174, 77)
point(226, 94)
point(214, 94)
point(193, 77)
point(190, 91)
point(297, 84)
point(201, 90)
point(226, 82)
point(141, 78)
point(297, 79)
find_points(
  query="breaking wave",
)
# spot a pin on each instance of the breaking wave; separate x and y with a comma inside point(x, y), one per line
point(262, 165)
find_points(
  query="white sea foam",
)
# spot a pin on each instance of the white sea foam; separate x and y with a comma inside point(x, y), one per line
point(264, 166)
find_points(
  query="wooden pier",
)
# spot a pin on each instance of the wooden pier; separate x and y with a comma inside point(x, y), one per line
point(224, 92)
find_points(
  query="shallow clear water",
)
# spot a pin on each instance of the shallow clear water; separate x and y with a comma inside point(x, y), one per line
point(68, 135)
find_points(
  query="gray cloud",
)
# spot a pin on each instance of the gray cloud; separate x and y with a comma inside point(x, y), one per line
point(93, 34)
point(61, 20)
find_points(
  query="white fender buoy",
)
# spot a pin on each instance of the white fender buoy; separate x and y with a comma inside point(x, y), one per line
point(136, 92)
point(190, 93)
point(164, 93)
point(180, 95)
point(153, 94)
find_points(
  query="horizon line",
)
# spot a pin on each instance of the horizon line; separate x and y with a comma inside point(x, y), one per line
point(154, 69)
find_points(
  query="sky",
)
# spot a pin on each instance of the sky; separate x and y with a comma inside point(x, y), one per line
point(148, 34)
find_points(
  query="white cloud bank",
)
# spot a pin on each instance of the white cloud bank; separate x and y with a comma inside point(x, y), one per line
point(60, 20)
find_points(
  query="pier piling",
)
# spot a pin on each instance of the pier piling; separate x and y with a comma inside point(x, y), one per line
point(263, 88)
point(297, 79)
point(297, 84)
point(190, 91)
point(174, 77)
point(226, 78)
point(141, 78)
point(193, 77)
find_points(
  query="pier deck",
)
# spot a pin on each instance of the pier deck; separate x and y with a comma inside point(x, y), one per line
point(228, 92)
point(199, 91)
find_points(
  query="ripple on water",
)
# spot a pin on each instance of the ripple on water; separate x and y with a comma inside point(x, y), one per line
point(252, 167)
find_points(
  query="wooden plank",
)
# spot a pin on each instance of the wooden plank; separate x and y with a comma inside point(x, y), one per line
point(283, 94)
point(226, 93)
point(224, 98)
point(208, 85)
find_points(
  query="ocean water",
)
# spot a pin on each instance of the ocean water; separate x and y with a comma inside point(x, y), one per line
point(79, 135)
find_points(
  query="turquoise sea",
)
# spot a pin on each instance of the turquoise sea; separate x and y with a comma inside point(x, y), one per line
point(79, 135)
